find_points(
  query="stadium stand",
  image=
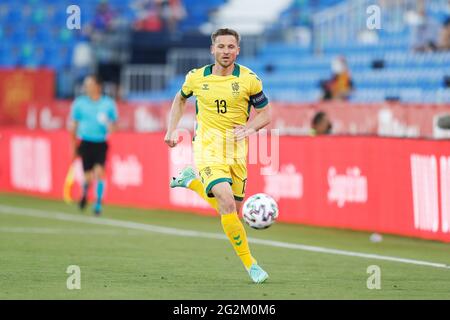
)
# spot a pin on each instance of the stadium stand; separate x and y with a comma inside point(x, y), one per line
point(387, 68)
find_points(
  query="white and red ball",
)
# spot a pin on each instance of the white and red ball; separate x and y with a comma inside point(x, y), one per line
point(260, 211)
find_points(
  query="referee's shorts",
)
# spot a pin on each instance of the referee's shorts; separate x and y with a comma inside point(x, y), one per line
point(92, 153)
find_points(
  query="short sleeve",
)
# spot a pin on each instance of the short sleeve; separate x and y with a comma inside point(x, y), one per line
point(257, 97)
point(75, 110)
point(113, 114)
point(188, 86)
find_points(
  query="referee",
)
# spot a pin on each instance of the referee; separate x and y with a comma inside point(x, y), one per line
point(93, 116)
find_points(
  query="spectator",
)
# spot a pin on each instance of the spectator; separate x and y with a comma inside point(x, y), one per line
point(444, 122)
point(172, 12)
point(424, 30)
point(104, 17)
point(65, 82)
point(320, 124)
point(148, 16)
point(340, 85)
point(444, 37)
point(82, 60)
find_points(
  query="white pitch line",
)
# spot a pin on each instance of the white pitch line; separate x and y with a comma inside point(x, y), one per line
point(57, 215)
point(39, 230)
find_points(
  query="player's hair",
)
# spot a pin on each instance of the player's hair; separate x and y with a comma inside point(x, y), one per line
point(225, 32)
point(97, 78)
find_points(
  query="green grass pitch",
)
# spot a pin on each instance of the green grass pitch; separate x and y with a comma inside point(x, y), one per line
point(128, 263)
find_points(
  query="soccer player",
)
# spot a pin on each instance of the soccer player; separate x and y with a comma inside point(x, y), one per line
point(93, 116)
point(225, 92)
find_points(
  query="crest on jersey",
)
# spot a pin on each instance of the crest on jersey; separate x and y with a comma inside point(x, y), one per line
point(235, 87)
point(207, 171)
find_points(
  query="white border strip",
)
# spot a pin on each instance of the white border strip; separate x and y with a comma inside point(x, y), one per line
point(58, 215)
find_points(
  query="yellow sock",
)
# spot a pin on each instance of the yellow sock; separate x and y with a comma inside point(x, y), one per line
point(231, 224)
point(235, 232)
point(197, 186)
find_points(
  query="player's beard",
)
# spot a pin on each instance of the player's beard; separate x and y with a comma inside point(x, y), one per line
point(225, 64)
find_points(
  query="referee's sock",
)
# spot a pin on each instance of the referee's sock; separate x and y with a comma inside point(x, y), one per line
point(83, 200)
point(100, 189)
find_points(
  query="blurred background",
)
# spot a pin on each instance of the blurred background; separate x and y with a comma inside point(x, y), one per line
point(307, 52)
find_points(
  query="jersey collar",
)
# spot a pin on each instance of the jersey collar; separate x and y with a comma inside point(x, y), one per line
point(208, 70)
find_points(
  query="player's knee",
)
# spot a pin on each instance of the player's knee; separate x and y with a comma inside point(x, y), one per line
point(99, 172)
point(226, 203)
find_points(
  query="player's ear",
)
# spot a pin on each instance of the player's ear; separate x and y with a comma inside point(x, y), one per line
point(212, 49)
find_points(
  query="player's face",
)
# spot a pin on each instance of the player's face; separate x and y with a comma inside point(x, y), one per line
point(225, 50)
point(91, 87)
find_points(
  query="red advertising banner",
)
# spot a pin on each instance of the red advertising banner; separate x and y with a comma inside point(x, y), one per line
point(386, 185)
point(19, 87)
point(381, 119)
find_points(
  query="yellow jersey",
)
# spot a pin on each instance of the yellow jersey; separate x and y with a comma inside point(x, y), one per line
point(222, 103)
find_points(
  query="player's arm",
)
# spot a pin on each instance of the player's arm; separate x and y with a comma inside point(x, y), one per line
point(73, 137)
point(177, 109)
point(262, 107)
point(112, 127)
point(176, 112)
point(113, 118)
point(75, 117)
point(261, 120)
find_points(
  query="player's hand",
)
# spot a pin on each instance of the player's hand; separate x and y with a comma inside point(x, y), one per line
point(112, 127)
point(241, 132)
point(171, 139)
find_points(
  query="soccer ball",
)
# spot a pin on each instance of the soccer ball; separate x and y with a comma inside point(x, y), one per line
point(260, 211)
